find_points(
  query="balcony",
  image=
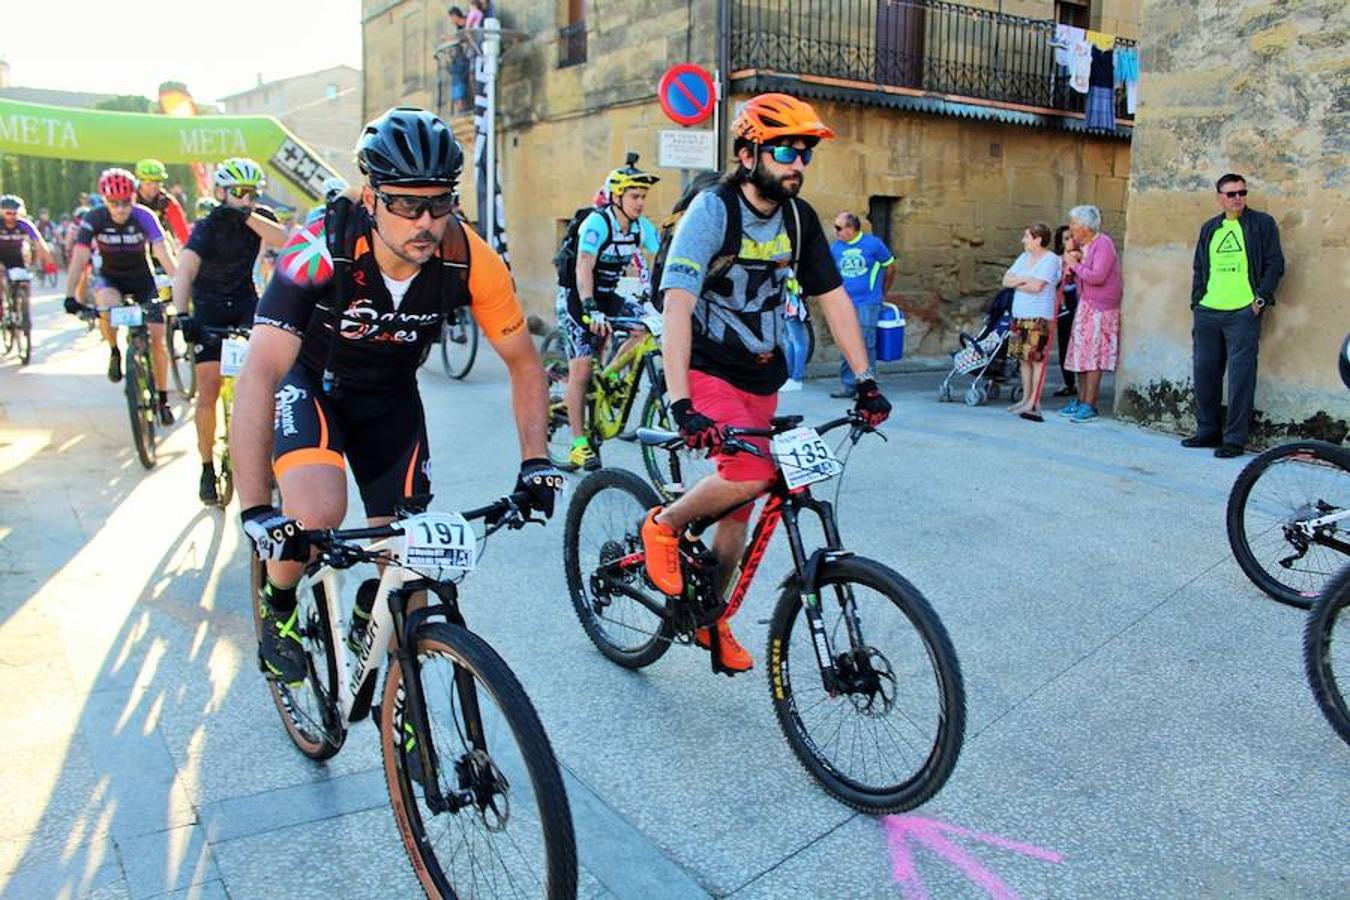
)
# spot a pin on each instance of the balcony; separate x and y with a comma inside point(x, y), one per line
point(914, 47)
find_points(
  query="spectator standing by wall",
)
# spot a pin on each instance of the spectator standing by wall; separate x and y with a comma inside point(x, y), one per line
point(1095, 343)
point(1034, 276)
point(861, 259)
point(1068, 252)
point(1238, 264)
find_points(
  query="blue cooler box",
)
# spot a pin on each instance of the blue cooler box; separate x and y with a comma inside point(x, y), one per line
point(890, 334)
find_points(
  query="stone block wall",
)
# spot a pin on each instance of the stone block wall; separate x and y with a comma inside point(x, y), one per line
point(1262, 89)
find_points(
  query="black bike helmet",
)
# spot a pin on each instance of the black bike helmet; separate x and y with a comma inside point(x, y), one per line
point(409, 146)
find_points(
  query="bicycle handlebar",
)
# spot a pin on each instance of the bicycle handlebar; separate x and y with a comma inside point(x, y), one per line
point(226, 330)
point(505, 511)
point(673, 440)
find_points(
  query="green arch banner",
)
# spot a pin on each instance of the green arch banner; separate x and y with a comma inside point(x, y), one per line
point(58, 132)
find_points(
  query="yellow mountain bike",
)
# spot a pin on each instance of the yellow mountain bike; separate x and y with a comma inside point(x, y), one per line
point(632, 379)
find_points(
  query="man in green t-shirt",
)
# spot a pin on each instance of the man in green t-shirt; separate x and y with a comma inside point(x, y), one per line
point(1238, 264)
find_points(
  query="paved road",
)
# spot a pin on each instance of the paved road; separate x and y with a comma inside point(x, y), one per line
point(1139, 725)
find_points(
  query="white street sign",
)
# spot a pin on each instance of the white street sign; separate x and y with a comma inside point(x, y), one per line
point(688, 148)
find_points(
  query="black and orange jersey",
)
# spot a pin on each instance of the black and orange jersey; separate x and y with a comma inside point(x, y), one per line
point(382, 343)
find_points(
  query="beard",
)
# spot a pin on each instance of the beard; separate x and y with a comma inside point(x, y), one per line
point(774, 188)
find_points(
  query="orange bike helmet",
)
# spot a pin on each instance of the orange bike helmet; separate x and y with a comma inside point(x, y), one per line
point(116, 184)
point(770, 116)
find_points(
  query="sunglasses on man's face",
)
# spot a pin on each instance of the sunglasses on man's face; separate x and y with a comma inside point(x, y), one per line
point(786, 155)
point(1234, 194)
point(411, 206)
point(239, 193)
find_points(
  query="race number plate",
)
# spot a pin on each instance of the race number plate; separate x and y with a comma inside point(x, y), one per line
point(18, 273)
point(126, 316)
point(653, 323)
point(232, 354)
point(439, 545)
point(804, 457)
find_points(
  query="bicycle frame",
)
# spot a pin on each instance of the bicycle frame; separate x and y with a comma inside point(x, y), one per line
point(604, 398)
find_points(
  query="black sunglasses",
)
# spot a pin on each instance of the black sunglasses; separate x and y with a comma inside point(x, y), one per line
point(411, 206)
point(1231, 194)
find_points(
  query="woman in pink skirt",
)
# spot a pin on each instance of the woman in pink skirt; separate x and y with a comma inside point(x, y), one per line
point(1095, 341)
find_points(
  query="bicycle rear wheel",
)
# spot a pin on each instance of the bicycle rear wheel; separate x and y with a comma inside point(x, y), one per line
point(508, 829)
point(1326, 652)
point(308, 711)
point(888, 737)
point(602, 526)
point(1273, 498)
point(559, 430)
point(553, 355)
point(140, 393)
point(182, 362)
point(459, 343)
point(24, 336)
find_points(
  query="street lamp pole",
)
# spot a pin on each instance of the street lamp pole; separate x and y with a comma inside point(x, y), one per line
point(492, 48)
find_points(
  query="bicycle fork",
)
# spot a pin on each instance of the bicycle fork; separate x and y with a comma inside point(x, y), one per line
point(808, 576)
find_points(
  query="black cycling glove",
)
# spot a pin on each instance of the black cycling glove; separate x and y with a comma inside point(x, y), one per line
point(275, 536)
point(543, 482)
point(699, 431)
point(73, 306)
point(871, 405)
point(190, 327)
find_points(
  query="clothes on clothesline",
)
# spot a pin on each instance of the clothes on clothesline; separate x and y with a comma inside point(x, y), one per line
point(1080, 66)
point(1101, 40)
point(1064, 38)
point(1103, 70)
point(1127, 73)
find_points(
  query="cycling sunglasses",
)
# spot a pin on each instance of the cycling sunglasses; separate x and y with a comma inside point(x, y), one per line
point(1231, 194)
point(239, 193)
point(411, 206)
point(785, 155)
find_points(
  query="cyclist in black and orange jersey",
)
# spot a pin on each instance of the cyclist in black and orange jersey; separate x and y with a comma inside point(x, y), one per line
point(150, 177)
point(331, 375)
point(122, 230)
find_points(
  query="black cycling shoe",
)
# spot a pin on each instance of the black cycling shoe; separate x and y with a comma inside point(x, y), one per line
point(165, 414)
point(280, 649)
point(115, 365)
point(206, 491)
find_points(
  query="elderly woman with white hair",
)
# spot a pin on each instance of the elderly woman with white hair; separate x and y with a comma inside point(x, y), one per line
point(1095, 342)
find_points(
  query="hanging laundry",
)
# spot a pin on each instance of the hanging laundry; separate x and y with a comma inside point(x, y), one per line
point(1064, 38)
point(1127, 73)
point(1100, 40)
point(1080, 65)
point(1101, 105)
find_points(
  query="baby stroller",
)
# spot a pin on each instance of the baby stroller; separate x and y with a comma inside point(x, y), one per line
point(983, 358)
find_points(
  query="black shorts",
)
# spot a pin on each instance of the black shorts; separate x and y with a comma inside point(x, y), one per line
point(141, 289)
point(217, 312)
point(383, 435)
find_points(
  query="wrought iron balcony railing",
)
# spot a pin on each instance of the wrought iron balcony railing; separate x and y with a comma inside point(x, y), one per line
point(572, 45)
point(928, 45)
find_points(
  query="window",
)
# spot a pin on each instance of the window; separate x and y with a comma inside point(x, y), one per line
point(572, 35)
point(881, 212)
point(1072, 12)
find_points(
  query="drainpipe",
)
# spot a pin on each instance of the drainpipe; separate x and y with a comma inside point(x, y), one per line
point(723, 80)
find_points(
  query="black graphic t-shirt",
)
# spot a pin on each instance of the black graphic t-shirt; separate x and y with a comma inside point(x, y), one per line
point(122, 247)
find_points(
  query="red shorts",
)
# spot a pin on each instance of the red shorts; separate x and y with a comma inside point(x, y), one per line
point(726, 405)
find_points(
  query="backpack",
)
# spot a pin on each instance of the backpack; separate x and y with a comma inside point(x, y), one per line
point(731, 240)
point(565, 260)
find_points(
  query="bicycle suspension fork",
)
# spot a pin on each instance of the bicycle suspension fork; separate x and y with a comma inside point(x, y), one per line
point(808, 577)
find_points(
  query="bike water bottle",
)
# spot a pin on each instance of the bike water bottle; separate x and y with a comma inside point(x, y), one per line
point(365, 601)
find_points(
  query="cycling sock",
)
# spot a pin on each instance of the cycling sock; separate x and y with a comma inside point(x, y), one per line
point(282, 600)
point(163, 398)
point(577, 442)
point(209, 467)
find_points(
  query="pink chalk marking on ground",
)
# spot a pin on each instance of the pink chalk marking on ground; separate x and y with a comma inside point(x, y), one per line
point(930, 834)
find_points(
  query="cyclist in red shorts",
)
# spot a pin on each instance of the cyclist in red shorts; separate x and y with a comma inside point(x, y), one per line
point(723, 283)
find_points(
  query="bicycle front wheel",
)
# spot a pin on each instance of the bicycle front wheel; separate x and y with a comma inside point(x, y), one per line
point(24, 335)
point(182, 362)
point(887, 737)
point(459, 343)
point(1269, 510)
point(9, 328)
point(506, 828)
point(1326, 652)
point(308, 710)
point(140, 393)
point(220, 452)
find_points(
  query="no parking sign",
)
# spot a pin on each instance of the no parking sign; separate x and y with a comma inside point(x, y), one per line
point(687, 94)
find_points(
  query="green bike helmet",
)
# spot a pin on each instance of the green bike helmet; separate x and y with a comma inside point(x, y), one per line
point(151, 170)
point(240, 171)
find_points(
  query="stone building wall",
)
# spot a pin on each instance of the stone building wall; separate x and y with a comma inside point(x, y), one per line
point(1260, 89)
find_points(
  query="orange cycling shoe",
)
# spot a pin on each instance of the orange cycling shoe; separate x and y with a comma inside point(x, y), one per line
point(661, 546)
point(735, 658)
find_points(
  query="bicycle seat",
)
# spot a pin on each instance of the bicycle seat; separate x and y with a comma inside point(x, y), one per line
point(658, 437)
point(783, 423)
